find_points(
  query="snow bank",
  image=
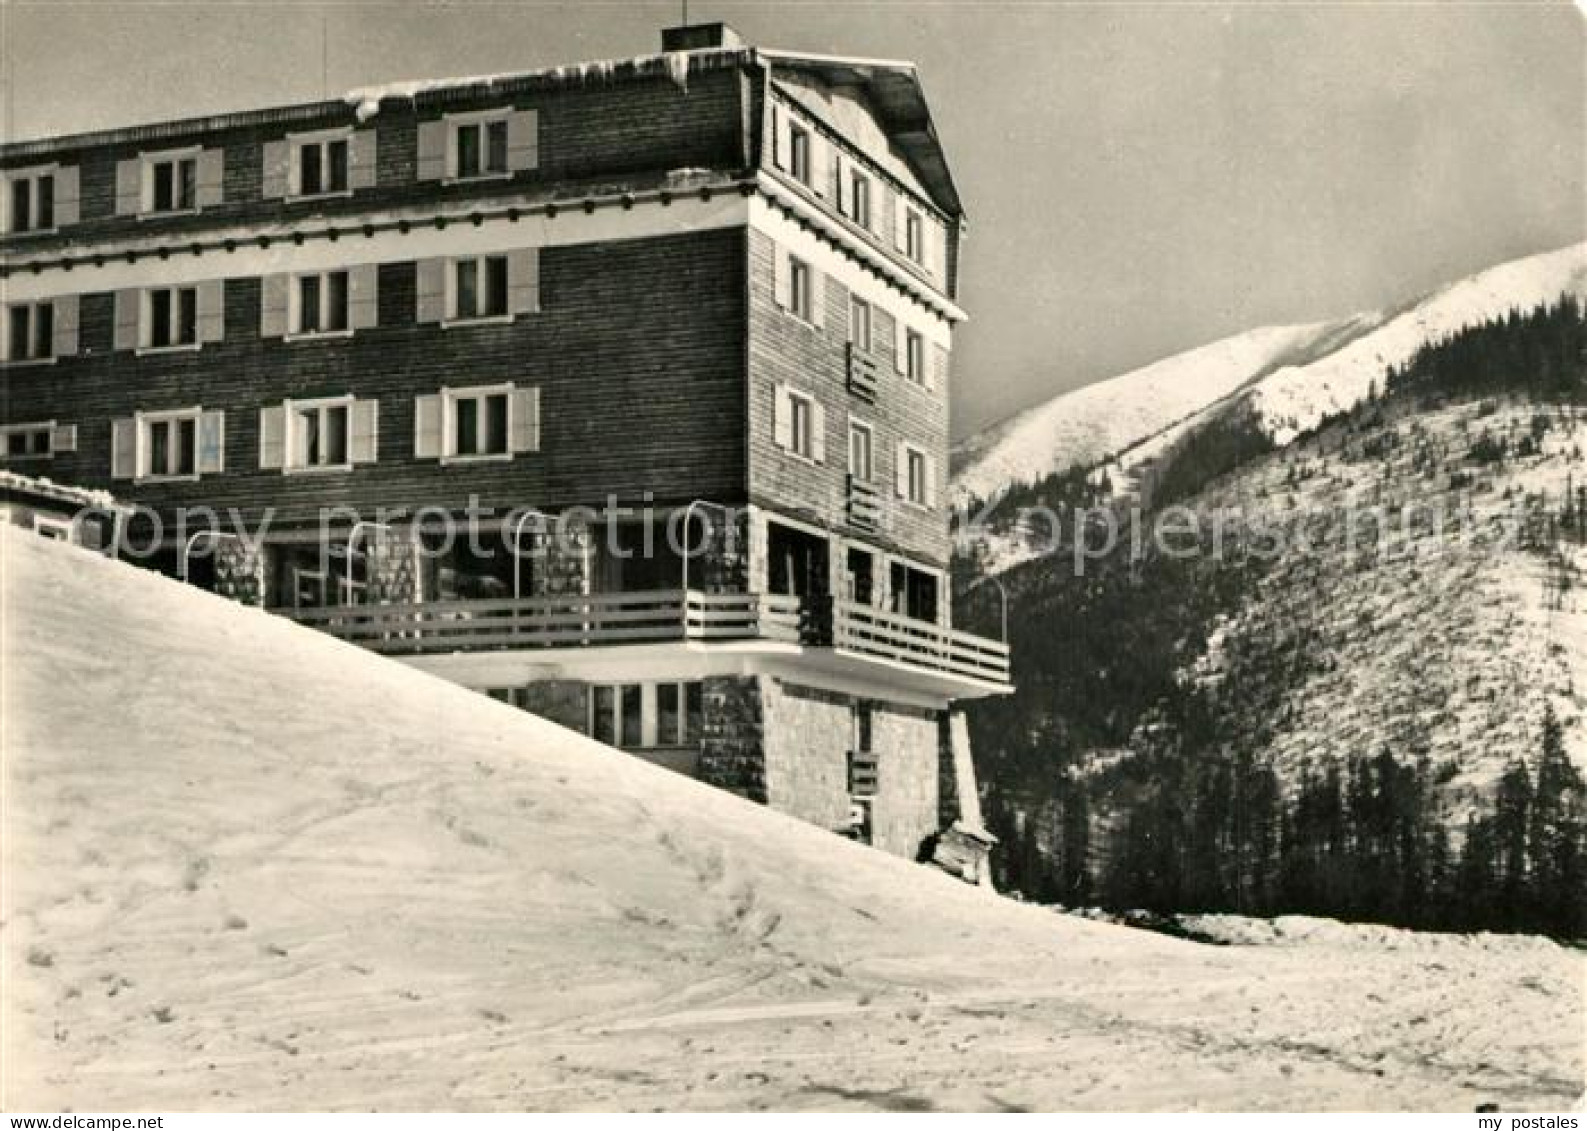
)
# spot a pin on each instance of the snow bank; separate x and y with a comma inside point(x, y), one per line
point(249, 867)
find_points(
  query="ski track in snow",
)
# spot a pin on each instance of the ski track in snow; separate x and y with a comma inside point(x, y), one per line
point(249, 867)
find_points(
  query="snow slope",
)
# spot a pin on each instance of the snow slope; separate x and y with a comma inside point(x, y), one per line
point(249, 867)
point(1082, 427)
point(1291, 375)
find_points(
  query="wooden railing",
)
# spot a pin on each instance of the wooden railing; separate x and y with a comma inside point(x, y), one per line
point(654, 617)
point(891, 636)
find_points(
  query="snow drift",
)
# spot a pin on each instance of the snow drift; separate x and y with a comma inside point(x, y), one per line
point(249, 867)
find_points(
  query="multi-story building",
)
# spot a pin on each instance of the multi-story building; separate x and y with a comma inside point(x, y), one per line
point(458, 355)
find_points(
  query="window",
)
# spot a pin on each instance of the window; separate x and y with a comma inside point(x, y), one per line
point(168, 446)
point(321, 433)
point(170, 317)
point(480, 288)
point(31, 197)
point(322, 166)
point(860, 451)
point(30, 331)
point(647, 715)
point(173, 184)
point(479, 423)
point(321, 304)
point(918, 484)
point(864, 726)
point(801, 300)
point(914, 235)
point(915, 357)
point(860, 324)
point(801, 415)
point(481, 148)
point(799, 152)
point(859, 198)
point(28, 441)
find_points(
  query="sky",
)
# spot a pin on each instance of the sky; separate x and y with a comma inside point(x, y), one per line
point(1139, 178)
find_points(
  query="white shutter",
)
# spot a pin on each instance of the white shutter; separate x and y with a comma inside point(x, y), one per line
point(67, 194)
point(523, 140)
point(431, 290)
point(901, 470)
point(129, 186)
point(525, 414)
point(900, 212)
point(274, 298)
point(820, 164)
point(931, 481)
point(272, 437)
point(782, 417)
point(362, 158)
point(427, 427)
point(523, 280)
point(129, 311)
point(900, 345)
point(65, 343)
point(211, 443)
point(779, 137)
point(212, 310)
point(211, 177)
point(432, 150)
point(124, 448)
point(818, 432)
point(363, 297)
point(365, 447)
point(63, 438)
point(781, 277)
point(277, 162)
point(818, 297)
point(937, 372)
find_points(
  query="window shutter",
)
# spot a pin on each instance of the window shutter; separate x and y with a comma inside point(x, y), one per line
point(937, 371)
point(211, 443)
point(931, 481)
point(124, 448)
point(523, 140)
point(523, 280)
point(129, 307)
point(901, 470)
point(63, 438)
point(274, 292)
point(900, 345)
point(818, 297)
point(129, 187)
point(366, 431)
point(211, 174)
point(362, 158)
point(782, 417)
point(840, 182)
point(277, 162)
point(431, 290)
point(929, 235)
point(781, 277)
point(65, 344)
point(820, 165)
point(900, 212)
point(67, 195)
point(818, 432)
point(363, 297)
point(427, 427)
point(212, 310)
point(432, 150)
point(525, 411)
point(779, 137)
point(272, 437)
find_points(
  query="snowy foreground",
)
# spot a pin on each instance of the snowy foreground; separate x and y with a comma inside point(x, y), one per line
point(249, 867)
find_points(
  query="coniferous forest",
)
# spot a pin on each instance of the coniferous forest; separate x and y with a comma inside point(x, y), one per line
point(1116, 782)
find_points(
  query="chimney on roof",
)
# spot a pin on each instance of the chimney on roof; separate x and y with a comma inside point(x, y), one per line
point(699, 37)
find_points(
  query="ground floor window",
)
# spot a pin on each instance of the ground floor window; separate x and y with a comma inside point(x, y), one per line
point(643, 715)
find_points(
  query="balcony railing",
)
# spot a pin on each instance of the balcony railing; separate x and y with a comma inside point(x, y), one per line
point(657, 617)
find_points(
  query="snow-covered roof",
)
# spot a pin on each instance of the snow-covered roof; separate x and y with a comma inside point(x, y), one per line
point(41, 488)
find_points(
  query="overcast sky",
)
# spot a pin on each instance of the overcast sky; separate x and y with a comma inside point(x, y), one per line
point(1140, 178)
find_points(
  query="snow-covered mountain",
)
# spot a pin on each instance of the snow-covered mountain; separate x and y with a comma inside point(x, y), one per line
point(1291, 375)
point(249, 867)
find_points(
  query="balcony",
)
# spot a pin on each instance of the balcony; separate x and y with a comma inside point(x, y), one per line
point(842, 635)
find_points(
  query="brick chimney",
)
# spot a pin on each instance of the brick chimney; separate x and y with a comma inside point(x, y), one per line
point(699, 37)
